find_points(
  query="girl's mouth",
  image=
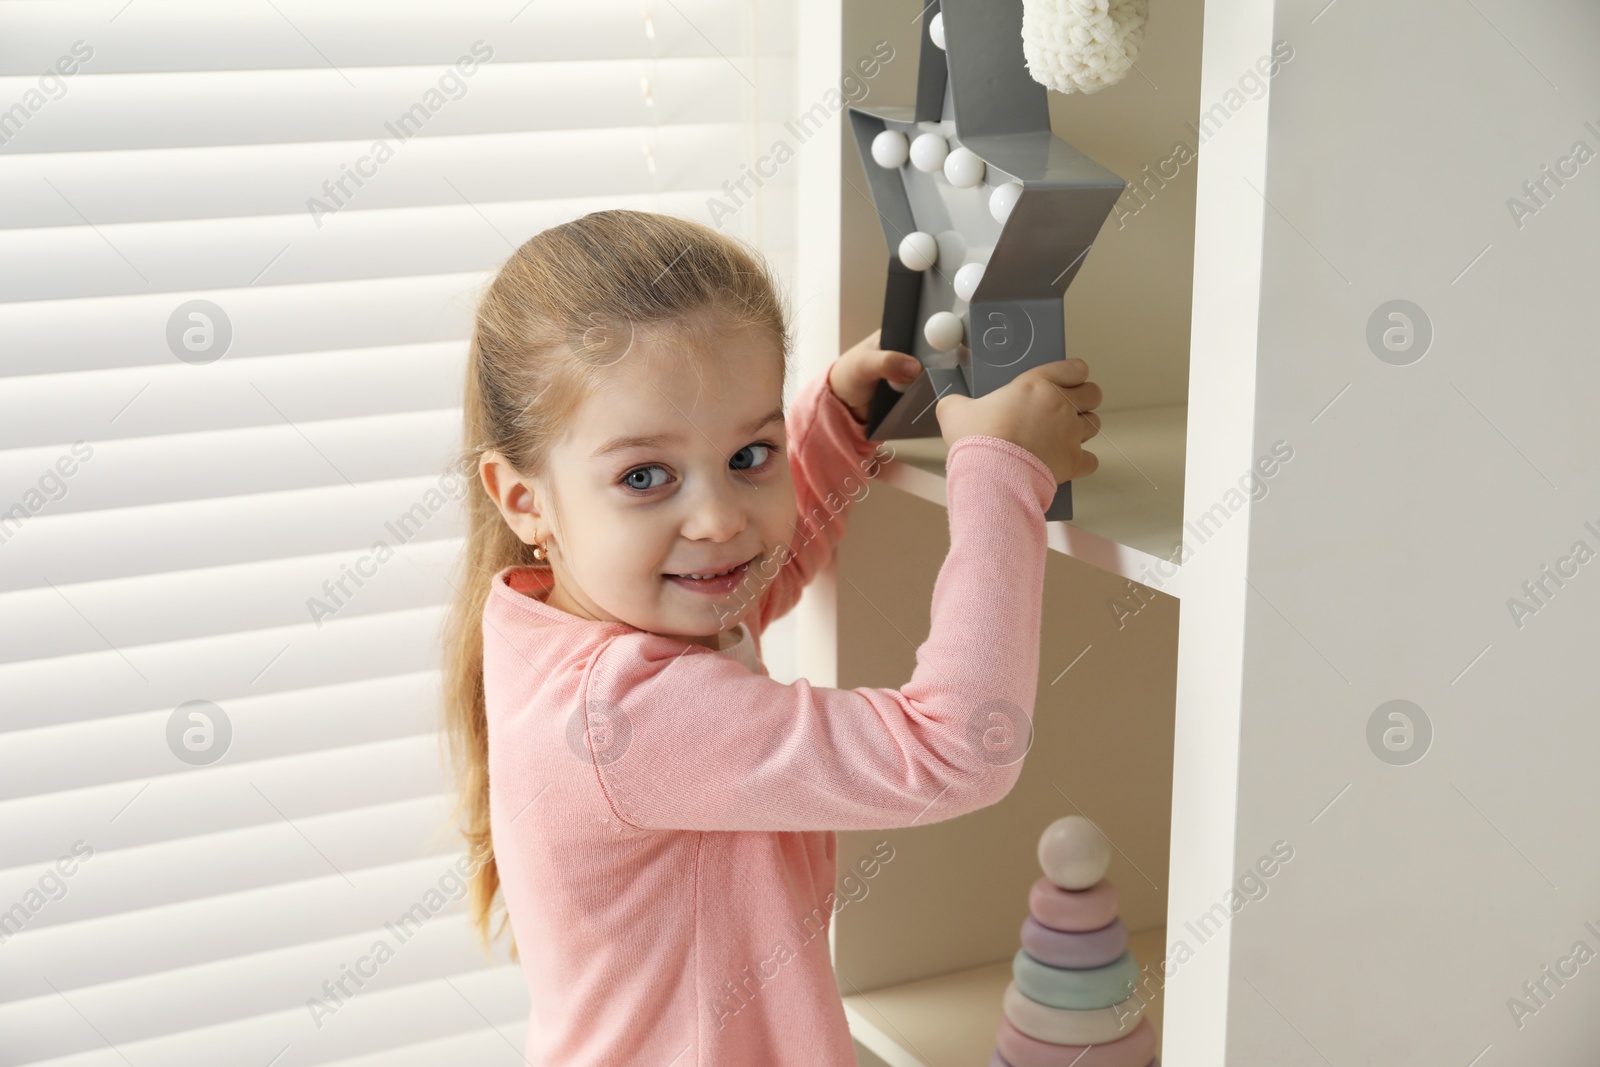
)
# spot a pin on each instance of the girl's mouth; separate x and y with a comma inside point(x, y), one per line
point(717, 583)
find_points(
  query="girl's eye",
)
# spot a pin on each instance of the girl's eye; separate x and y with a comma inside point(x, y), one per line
point(631, 479)
point(766, 451)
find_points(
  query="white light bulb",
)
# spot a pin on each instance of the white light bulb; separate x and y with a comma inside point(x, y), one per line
point(1003, 199)
point(928, 152)
point(890, 149)
point(944, 330)
point(967, 279)
point(919, 251)
point(963, 168)
point(936, 29)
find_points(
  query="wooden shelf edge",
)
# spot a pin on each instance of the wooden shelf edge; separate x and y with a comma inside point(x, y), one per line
point(876, 1040)
point(1065, 538)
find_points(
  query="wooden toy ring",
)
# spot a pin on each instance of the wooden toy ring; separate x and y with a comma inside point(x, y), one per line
point(1072, 910)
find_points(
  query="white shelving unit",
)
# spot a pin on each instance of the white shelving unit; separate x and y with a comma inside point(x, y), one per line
point(1359, 519)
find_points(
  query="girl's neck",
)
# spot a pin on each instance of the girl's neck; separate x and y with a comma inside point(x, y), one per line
point(557, 598)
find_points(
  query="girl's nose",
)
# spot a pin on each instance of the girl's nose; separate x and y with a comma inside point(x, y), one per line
point(717, 512)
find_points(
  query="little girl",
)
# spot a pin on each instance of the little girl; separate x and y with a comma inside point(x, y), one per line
point(657, 812)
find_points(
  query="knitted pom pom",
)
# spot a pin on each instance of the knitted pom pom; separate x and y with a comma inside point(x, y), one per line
point(1081, 46)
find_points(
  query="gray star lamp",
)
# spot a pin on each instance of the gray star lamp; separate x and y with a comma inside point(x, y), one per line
point(988, 217)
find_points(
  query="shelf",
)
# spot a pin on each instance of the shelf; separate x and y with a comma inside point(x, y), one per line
point(1130, 510)
point(949, 1020)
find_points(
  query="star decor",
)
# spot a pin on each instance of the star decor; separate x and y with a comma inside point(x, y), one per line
point(987, 214)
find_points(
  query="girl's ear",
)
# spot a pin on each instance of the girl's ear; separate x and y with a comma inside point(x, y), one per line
point(516, 498)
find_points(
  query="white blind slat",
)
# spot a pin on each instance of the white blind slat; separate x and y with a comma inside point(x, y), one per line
point(51, 189)
point(202, 602)
point(107, 683)
point(72, 548)
point(76, 334)
point(177, 398)
point(201, 931)
point(241, 107)
point(342, 843)
point(191, 254)
point(162, 34)
point(242, 987)
point(252, 459)
point(281, 737)
point(384, 1020)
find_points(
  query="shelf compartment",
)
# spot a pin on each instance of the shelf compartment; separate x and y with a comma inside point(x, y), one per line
point(949, 1020)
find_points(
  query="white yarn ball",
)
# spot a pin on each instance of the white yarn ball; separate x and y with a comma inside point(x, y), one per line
point(936, 29)
point(964, 168)
point(944, 330)
point(890, 149)
point(928, 152)
point(967, 279)
point(1081, 46)
point(1003, 199)
point(919, 251)
point(1073, 853)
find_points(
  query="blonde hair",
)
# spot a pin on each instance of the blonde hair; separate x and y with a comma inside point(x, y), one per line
point(563, 309)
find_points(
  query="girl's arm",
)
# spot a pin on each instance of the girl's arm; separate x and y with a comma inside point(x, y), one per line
point(712, 746)
point(831, 462)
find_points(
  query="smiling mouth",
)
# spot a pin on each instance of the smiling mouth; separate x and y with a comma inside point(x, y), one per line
point(704, 575)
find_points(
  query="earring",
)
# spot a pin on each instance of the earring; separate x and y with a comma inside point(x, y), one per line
point(539, 554)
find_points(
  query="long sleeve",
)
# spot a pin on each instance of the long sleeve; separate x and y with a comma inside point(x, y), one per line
point(698, 742)
point(832, 463)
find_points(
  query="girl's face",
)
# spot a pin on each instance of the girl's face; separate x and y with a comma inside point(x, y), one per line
point(666, 472)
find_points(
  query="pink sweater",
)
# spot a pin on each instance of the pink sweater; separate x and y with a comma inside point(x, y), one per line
point(668, 859)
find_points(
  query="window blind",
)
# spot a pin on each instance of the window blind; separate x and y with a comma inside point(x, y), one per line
point(239, 250)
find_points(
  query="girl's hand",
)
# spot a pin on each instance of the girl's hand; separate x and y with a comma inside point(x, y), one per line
point(1048, 410)
point(853, 377)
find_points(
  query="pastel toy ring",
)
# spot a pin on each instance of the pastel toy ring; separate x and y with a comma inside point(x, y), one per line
point(1059, 948)
point(1065, 1026)
point(1072, 909)
point(1020, 1050)
point(1078, 988)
